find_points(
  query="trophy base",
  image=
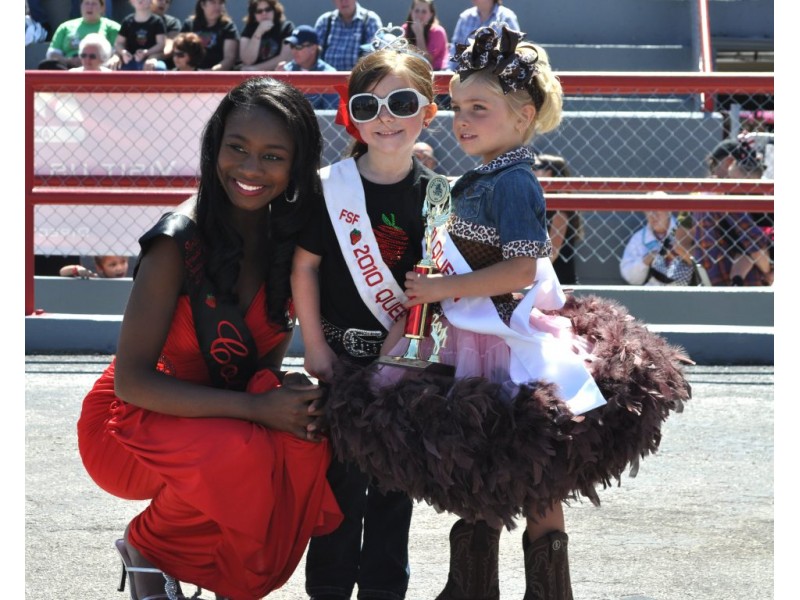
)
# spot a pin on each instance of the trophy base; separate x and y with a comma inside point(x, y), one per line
point(423, 366)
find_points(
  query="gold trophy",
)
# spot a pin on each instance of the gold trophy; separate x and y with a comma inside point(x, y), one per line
point(420, 321)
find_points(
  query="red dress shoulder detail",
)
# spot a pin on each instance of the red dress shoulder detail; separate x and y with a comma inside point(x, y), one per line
point(181, 356)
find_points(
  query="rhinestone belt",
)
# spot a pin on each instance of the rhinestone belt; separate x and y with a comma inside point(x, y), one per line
point(360, 343)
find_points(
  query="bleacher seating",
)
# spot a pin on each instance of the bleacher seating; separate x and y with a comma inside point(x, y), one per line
point(658, 35)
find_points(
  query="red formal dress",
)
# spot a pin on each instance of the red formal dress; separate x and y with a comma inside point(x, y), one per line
point(233, 504)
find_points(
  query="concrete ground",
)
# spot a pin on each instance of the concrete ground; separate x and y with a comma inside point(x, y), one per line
point(697, 522)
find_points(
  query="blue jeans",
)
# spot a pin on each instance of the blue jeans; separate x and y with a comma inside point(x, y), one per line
point(337, 561)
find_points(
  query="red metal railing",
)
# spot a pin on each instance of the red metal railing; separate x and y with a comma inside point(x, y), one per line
point(706, 59)
point(606, 194)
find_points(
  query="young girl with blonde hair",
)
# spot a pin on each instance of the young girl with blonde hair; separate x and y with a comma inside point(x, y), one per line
point(550, 395)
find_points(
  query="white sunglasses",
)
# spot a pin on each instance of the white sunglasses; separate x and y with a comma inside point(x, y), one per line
point(403, 103)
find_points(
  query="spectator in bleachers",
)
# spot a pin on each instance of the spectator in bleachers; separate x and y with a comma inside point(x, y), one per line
point(345, 32)
point(659, 253)
point(266, 28)
point(484, 13)
point(423, 30)
point(187, 52)
point(219, 34)
point(424, 153)
point(172, 25)
point(94, 51)
point(107, 266)
point(75, 10)
point(304, 47)
point(731, 247)
point(171, 22)
point(565, 228)
point(140, 34)
point(64, 47)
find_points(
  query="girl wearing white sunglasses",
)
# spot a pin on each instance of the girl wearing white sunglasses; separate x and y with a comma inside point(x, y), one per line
point(347, 287)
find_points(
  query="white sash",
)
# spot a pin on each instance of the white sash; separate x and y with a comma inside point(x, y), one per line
point(534, 354)
point(347, 207)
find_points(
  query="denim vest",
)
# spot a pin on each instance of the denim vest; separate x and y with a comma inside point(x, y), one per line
point(502, 203)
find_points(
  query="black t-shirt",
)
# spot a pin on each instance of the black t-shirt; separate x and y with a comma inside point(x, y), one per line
point(271, 41)
point(213, 38)
point(141, 34)
point(173, 24)
point(395, 212)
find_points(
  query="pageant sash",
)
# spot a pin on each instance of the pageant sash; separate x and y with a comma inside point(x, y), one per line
point(535, 355)
point(347, 207)
point(225, 340)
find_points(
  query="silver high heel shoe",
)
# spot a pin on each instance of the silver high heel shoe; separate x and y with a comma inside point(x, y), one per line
point(171, 589)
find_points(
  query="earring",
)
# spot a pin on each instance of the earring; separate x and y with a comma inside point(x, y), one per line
point(425, 124)
point(290, 198)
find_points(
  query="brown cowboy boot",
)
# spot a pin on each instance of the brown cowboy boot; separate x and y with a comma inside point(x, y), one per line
point(473, 572)
point(547, 567)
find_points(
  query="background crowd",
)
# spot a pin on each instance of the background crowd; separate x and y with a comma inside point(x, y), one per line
point(262, 42)
point(730, 249)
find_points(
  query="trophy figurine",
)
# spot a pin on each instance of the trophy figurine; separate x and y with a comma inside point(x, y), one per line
point(420, 321)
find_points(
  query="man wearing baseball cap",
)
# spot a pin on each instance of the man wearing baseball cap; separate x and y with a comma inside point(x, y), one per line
point(304, 43)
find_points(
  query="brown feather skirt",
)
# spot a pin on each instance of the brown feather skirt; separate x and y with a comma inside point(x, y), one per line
point(463, 447)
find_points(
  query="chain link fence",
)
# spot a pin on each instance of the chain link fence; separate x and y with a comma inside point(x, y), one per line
point(93, 136)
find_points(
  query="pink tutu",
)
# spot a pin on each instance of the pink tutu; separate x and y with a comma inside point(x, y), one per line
point(480, 355)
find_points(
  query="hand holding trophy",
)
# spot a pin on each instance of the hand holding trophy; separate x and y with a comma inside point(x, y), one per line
point(420, 321)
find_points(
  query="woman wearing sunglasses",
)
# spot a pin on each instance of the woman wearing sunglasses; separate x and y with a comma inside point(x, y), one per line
point(261, 47)
point(94, 51)
point(346, 285)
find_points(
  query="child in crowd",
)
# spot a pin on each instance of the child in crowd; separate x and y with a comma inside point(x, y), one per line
point(140, 34)
point(109, 266)
point(372, 213)
point(193, 414)
point(660, 253)
point(550, 396)
point(187, 51)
